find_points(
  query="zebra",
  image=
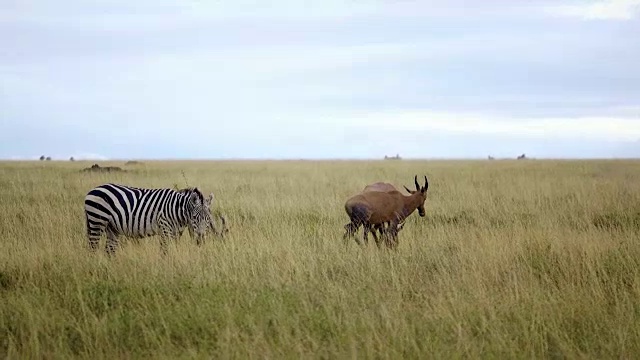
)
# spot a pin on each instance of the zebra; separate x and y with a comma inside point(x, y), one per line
point(140, 212)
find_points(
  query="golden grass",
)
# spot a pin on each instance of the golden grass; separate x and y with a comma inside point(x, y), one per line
point(515, 259)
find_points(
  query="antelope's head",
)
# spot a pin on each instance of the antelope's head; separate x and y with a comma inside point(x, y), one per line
point(419, 194)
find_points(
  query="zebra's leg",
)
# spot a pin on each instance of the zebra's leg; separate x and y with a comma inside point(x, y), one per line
point(93, 243)
point(94, 230)
point(176, 234)
point(193, 236)
point(167, 234)
point(93, 235)
point(112, 241)
point(164, 244)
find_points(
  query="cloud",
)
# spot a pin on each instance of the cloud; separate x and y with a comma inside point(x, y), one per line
point(116, 15)
point(599, 10)
point(259, 60)
point(586, 128)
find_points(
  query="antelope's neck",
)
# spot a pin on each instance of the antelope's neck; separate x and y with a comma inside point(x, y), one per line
point(410, 205)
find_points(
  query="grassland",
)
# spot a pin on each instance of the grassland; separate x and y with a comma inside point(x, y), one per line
point(515, 259)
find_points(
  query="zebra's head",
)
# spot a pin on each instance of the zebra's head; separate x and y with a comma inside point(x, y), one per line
point(200, 214)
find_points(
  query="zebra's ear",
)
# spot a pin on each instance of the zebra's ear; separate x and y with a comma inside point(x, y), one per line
point(208, 201)
point(195, 197)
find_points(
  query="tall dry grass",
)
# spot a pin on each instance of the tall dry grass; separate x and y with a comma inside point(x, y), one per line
point(515, 259)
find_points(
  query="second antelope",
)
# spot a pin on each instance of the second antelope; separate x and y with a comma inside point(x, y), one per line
point(388, 231)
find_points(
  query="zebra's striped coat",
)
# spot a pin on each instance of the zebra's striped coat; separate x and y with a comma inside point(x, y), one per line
point(138, 212)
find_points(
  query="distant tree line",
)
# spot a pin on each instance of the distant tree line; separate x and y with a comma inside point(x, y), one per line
point(48, 158)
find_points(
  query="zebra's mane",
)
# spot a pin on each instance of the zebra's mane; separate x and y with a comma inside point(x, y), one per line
point(191, 190)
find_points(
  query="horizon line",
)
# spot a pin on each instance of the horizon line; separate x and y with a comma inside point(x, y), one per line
point(321, 159)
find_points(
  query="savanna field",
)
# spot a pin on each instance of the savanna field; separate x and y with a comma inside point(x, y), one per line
point(514, 259)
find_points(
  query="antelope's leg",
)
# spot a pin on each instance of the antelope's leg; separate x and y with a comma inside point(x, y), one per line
point(375, 235)
point(347, 231)
point(367, 228)
point(379, 228)
point(393, 235)
point(386, 233)
point(351, 229)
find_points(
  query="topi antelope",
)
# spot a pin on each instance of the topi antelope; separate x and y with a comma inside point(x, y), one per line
point(375, 208)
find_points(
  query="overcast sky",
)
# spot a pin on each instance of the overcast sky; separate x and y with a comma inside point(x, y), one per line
point(330, 79)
